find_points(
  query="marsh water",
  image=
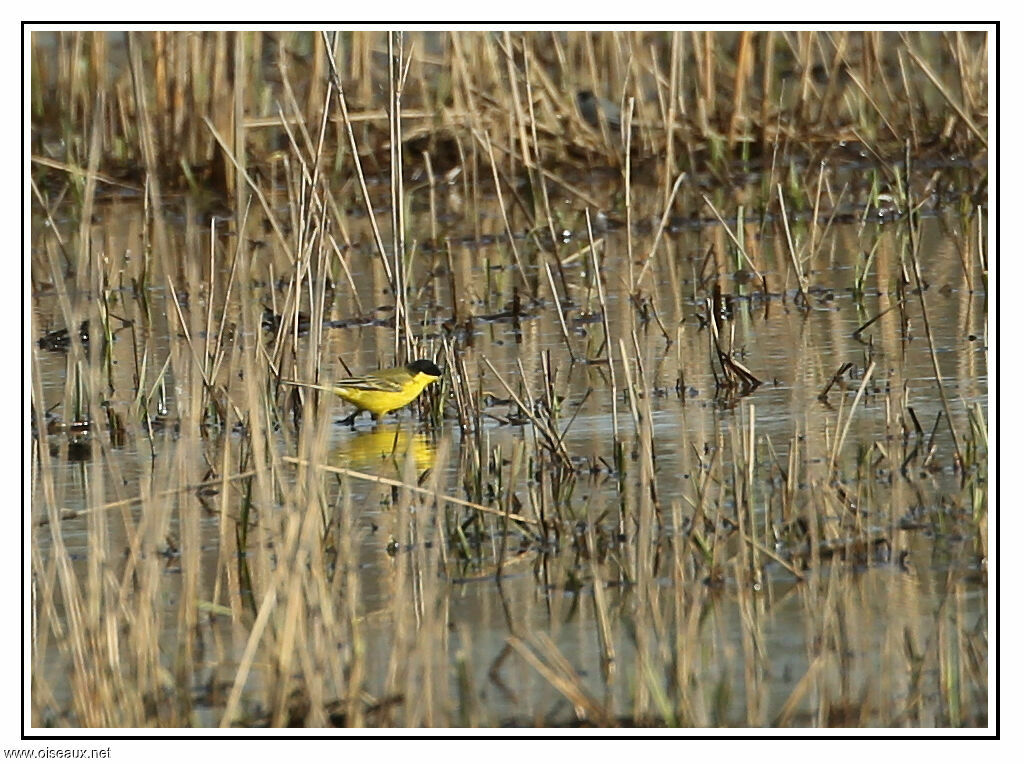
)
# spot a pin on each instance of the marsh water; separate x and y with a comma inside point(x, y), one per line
point(753, 652)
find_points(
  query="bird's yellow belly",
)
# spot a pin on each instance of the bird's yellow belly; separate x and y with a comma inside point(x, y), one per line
point(377, 402)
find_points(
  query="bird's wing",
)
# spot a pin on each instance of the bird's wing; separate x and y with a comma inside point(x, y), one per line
point(373, 384)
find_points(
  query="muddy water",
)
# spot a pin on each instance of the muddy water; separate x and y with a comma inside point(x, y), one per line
point(756, 659)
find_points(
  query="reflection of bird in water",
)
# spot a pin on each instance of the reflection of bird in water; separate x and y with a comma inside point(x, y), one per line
point(385, 444)
point(593, 107)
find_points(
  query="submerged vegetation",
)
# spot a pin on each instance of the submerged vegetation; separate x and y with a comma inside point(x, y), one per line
point(710, 446)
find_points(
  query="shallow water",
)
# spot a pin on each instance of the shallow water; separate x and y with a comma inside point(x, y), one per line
point(753, 657)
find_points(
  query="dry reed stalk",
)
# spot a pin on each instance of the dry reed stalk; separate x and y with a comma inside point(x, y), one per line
point(406, 486)
point(343, 106)
point(552, 441)
point(914, 244)
point(540, 652)
point(944, 91)
point(397, 71)
point(504, 216)
point(801, 278)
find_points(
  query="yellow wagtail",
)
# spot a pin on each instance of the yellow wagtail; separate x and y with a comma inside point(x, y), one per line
point(380, 392)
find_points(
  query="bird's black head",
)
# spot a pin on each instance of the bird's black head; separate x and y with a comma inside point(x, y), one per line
point(424, 367)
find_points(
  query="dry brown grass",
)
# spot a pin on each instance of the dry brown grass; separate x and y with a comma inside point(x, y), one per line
point(209, 550)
